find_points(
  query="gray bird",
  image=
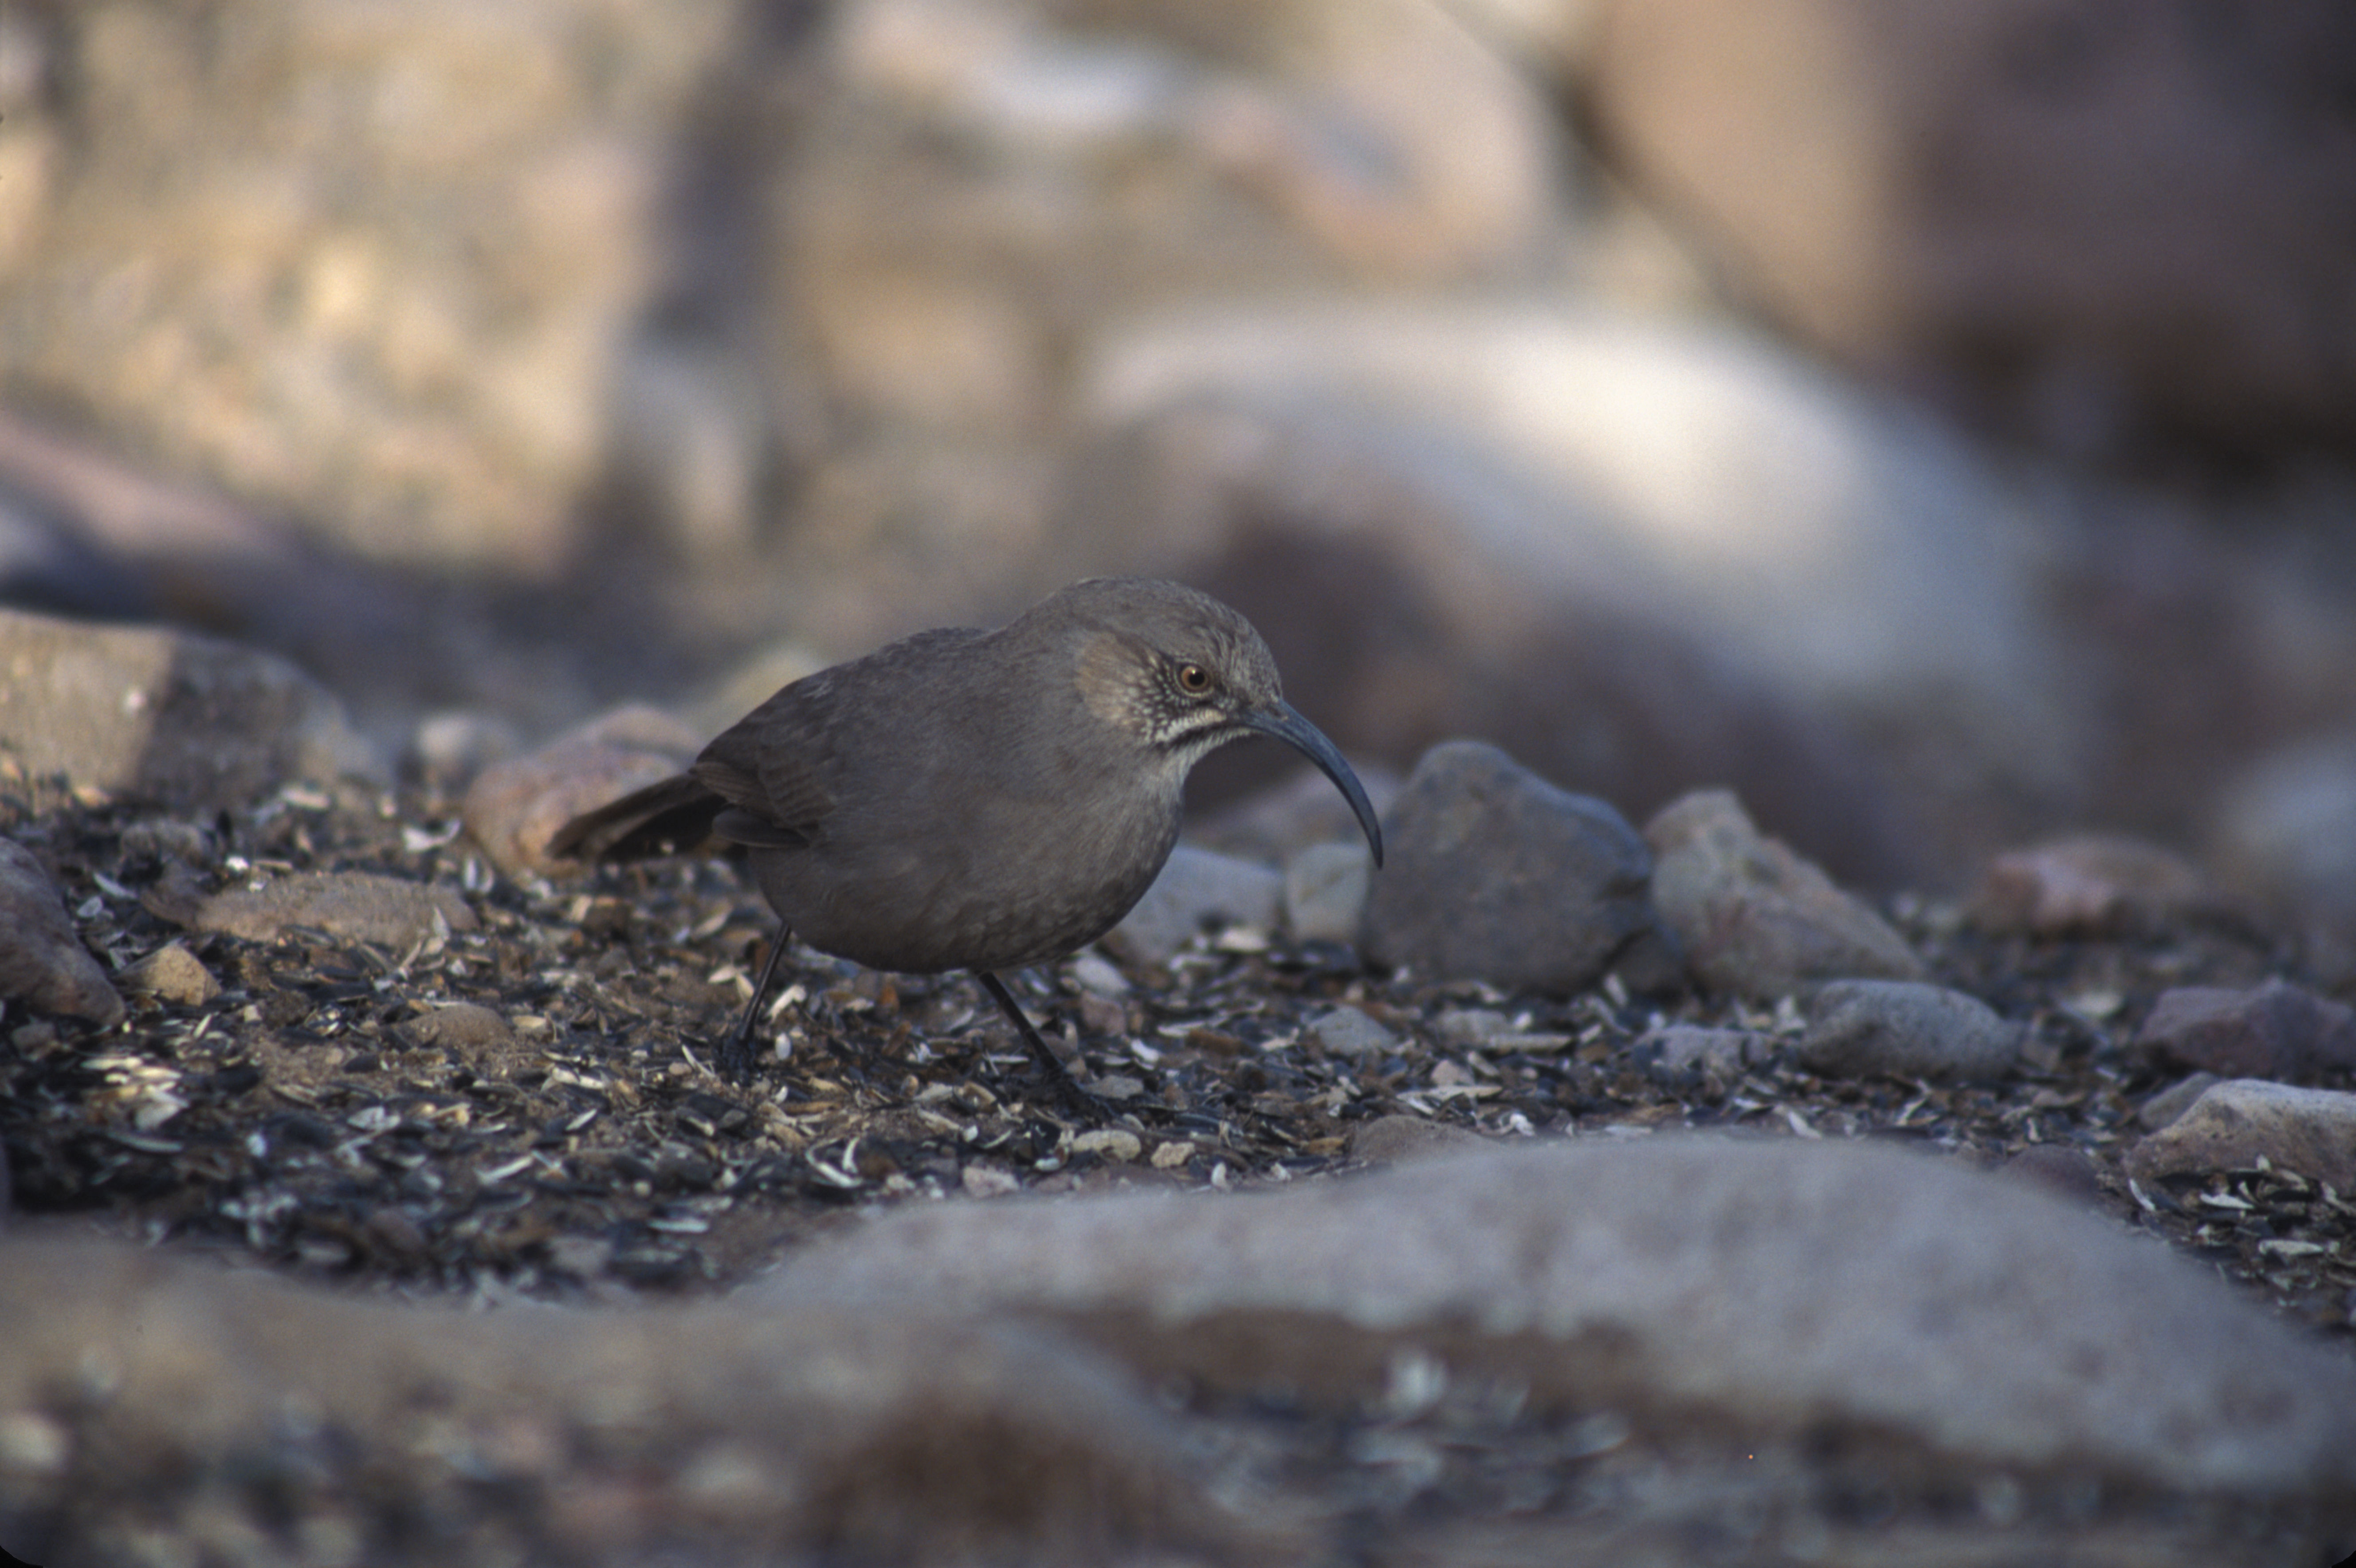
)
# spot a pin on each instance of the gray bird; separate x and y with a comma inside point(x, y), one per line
point(982, 800)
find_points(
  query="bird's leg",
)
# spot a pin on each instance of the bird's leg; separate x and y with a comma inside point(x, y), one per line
point(736, 1051)
point(1050, 1064)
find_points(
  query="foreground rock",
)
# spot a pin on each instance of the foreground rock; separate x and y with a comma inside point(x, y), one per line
point(1741, 1287)
point(42, 961)
point(1495, 874)
point(597, 1438)
point(166, 715)
point(1756, 919)
point(2238, 1123)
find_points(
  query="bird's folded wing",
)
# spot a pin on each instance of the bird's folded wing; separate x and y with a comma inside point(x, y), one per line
point(763, 768)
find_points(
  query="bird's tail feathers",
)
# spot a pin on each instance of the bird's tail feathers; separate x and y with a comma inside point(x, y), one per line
point(666, 817)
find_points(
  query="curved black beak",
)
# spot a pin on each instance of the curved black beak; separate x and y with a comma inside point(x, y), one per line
point(1285, 723)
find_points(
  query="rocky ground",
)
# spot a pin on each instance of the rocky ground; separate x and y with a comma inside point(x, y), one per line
point(466, 1084)
point(1790, 415)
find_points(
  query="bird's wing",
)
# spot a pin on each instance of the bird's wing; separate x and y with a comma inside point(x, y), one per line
point(780, 765)
point(765, 769)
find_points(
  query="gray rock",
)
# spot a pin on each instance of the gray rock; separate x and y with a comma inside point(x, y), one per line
point(1326, 892)
point(42, 961)
point(1347, 1032)
point(1392, 1140)
point(1493, 874)
point(168, 715)
point(356, 905)
point(2275, 1030)
point(2237, 1121)
point(2174, 1100)
point(1472, 1026)
point(467, 1027)
point(2287, 824)
point(171, 974)
point(1732, 1286)
point(513, 807)
point(1197, 891)
point(1906, 1029)
point(160, 840)
point(1678, 1052)
point(2089, 884)
point(1755, 918)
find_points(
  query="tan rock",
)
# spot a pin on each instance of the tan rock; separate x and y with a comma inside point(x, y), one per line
point(356, 905)
point(168, 715)
point(513, 807)
point(2090, 884)
point(171, 974)
point(2237, 1122)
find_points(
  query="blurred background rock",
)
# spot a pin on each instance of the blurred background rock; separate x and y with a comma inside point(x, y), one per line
point(1933, 422)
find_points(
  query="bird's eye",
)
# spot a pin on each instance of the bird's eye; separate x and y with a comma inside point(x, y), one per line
point(1193, 680)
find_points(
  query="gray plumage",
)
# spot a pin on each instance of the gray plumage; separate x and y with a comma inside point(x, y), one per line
point(977, 799)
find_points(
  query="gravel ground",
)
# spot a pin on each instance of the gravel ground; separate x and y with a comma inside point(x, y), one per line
point(329, 1113)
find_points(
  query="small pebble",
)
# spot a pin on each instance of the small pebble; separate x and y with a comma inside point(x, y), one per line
point(357, 906)
point(460, 1026)
point(1389, 1140)
point(1112, 1143)
point(1472, 1026)
point(1905, 1028)
point(514, 807)
point(1098, 975)
point(1676, 1052)
point(2088, 883)
point(1347, 1032)
point(171, 974)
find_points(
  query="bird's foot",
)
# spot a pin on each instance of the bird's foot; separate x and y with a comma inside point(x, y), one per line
point(734, 1058)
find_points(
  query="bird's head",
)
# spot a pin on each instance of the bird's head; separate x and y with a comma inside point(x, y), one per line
point(1184, 674)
